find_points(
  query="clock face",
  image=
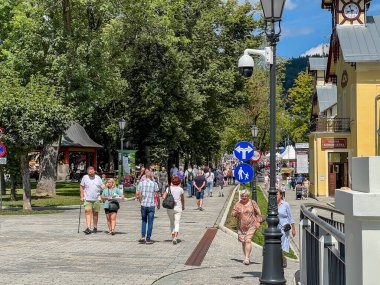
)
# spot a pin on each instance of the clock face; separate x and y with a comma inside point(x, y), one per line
point(351, 10)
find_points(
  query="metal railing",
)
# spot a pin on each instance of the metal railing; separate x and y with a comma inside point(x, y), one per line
point(322, 243)
point(332, 125)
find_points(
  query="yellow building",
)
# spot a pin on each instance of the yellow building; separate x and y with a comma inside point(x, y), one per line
point(353, 66)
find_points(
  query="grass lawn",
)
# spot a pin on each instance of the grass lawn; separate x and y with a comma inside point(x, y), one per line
point(67, 194)
point(231, 222)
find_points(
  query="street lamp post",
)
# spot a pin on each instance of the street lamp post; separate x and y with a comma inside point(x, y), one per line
point(254, 131)
point(122, 124)
point(272, 272)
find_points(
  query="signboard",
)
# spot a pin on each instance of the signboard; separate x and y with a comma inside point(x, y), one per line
point(3, 150)
point(243, 173)
point(256, 156)
point(301, 145)
point(331, 143)
point(243, 151)
point(3, 160)
point(302, 163)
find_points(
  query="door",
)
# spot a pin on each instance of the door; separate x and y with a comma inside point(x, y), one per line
point(332, 179)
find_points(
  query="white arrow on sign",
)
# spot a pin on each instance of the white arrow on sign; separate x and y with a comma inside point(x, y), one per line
point(244, 151)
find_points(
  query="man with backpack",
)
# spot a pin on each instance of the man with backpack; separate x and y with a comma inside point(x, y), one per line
point(189, 178)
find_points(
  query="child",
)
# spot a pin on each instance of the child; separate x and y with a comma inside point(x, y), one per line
point(283, 189)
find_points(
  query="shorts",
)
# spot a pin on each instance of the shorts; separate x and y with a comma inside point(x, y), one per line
point(107, 211)
point(92, 205)
point(199, 195)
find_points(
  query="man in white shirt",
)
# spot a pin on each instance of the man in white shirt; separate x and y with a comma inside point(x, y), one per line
point(90, 188)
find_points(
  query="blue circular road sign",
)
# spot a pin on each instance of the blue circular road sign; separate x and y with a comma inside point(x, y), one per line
point(3, 150)
point(243, 173)
point(243, 151)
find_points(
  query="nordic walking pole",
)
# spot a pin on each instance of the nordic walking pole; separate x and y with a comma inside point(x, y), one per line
point(80, 213)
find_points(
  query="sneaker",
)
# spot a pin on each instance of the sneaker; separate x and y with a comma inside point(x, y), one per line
point(222, 195)
point(211, 195)
point(141, 240)
point(174, 241)
point(148, 241)
point(87, 231)
point(200, 209)
point(95, 230)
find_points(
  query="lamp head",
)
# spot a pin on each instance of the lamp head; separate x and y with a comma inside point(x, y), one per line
point(122, 124)
point(254, 131)
point(272, 9)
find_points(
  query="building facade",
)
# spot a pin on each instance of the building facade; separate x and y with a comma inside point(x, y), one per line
point(349, 128)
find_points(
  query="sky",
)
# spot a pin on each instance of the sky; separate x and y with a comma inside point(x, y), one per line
point(305, 25)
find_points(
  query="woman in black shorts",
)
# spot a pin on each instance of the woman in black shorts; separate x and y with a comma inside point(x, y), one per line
point(111, 192)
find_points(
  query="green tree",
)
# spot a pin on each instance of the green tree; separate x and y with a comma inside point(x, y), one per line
point(300, 103)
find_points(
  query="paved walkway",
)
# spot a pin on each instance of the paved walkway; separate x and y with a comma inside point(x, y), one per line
point(46, 249)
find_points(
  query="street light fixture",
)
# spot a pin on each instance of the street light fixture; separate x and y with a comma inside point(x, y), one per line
point(122, 124)
point(254, 131)
point(272, 272)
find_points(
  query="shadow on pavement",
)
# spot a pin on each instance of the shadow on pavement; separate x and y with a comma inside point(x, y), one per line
point(241, 261)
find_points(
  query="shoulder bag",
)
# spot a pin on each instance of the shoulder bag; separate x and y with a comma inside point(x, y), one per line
point(168, 202)
point(113, 204)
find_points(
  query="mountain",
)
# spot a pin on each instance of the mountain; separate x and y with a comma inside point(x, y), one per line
point(292, 68)
point(320, 50)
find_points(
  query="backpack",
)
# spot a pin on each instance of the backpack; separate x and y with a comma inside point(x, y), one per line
point(190, 175)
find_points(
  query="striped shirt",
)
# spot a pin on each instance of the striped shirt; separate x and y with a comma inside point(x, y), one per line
point(147, 188)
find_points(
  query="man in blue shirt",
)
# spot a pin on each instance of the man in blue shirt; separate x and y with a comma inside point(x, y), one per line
point(299, 179)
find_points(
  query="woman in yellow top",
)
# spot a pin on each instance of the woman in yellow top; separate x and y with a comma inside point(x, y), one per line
point(111, 192)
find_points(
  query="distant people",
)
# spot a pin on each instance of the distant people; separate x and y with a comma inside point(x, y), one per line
point(210, 181)
point(90, 187)
point(111, 192)
point(179, 206)
point(293, 183)
point(199, 184)
point(163, 180)
point(306, 186)
point(299, 179)
point(286, 218)
point(173, 170)
point(181, 174)
point(220, 183)
point(225, 177)
point(104, 179)
point(146, 194)
point(283, 189)
point(248, 215)
point(195, 174)
point(266, 181)
point(229, 176)
point(189, 178)
point(289, 182)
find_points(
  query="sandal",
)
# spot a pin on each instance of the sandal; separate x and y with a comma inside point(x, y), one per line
point(141, 240)
point(246, 261)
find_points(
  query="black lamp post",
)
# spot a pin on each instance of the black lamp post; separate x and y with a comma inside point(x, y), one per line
point(272, 272)
point(122, 124)
point(254, 131)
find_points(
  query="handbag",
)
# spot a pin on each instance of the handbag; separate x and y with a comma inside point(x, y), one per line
point(168, 202)
point(286, 227)
point(113, 204)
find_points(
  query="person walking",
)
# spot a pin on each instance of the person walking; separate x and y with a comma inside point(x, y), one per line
point(266, 181)
point(283, 189)
point(285, 224)
point(179, 206)
point(173, 171)
point(90, 187)
point(189, 178)
point(199, 184)
point(163, 180)
point(210, 181)
point(220, 183)
point(306, 186)
point(111, 192)
point(145, 195)
point(249, 217)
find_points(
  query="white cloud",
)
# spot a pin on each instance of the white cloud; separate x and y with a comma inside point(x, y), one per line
point(318, 50)
point(296, 32)
point(290, 5)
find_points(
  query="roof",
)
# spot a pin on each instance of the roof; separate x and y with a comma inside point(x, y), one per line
point(360, 43)
point(318, 63)
point(326, 96)
point(76, 136)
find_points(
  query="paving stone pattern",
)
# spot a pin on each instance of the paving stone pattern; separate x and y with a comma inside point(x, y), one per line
point(46, 249)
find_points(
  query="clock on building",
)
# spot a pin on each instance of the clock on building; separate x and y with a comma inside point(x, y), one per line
point(351, 10)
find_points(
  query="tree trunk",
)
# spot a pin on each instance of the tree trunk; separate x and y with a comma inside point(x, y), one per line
point(13, 187)
point(25, 174)
point(2, 183)
point(66, 14)
point(48, 171)
point(111, 160)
